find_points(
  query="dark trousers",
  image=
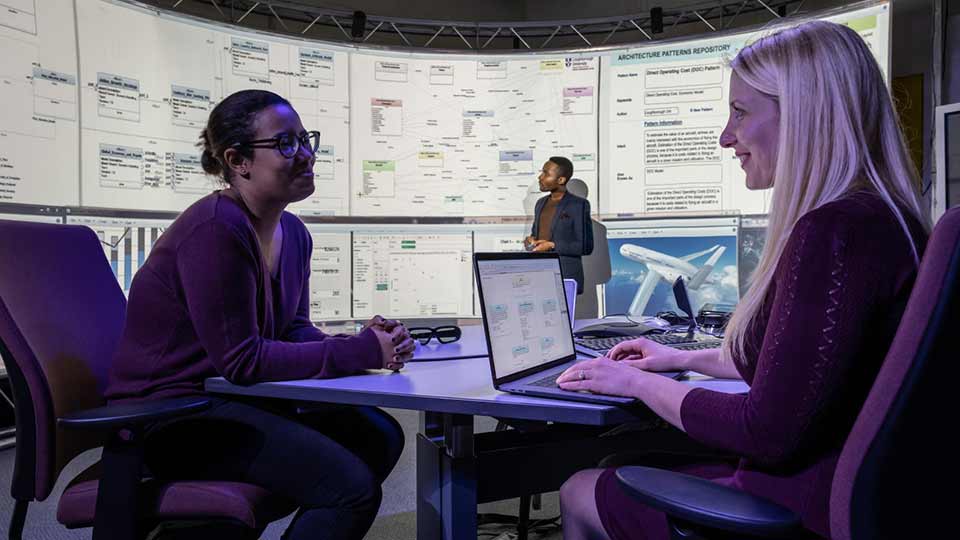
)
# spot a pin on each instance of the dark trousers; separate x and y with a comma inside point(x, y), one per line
point(331, 461)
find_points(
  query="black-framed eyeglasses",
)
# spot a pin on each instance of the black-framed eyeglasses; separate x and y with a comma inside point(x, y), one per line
point(287, 143)
point(444, 334)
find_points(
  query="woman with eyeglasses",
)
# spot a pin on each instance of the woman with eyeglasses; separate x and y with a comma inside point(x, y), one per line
point(225, 292)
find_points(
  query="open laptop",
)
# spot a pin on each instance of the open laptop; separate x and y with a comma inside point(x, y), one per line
point(526, 323)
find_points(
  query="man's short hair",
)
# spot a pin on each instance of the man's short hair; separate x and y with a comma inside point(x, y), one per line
point(564, 166)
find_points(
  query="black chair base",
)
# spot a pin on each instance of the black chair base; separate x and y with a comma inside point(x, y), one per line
point(18, 519)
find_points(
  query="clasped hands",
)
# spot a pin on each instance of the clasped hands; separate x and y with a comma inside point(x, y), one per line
point(396, 346)
point(538, 245)
point(622, 369)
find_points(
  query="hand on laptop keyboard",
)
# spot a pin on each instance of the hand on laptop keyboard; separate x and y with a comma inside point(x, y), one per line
point(601, 376)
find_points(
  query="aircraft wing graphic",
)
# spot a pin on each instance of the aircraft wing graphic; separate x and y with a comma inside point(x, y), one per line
point(644, 292)
point(692, 256)
point(705, 270)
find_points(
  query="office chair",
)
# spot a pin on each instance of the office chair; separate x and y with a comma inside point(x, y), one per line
point(897, 453)
point(61, 315)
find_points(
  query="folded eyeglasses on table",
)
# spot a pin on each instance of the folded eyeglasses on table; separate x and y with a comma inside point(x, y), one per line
point(444, 334)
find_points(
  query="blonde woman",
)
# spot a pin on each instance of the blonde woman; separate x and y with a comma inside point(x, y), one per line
point(811, 118)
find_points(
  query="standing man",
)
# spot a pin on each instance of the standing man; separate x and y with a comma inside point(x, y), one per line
point(561, 220)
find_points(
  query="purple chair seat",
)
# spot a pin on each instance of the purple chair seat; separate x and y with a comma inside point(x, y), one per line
point(251, 505)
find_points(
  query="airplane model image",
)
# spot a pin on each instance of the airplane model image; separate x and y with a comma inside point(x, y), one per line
point(668, 268)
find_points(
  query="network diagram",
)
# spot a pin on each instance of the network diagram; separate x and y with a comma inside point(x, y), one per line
point(459, 136)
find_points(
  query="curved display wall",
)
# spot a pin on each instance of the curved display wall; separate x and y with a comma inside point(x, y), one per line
point(103, 102)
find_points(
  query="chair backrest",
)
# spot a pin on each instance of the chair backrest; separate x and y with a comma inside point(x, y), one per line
point(578, 187)
point(61, 314)
point(899, 445)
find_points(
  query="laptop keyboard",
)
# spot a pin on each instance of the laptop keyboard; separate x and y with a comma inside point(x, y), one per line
point(546, 382)
point(603, 344)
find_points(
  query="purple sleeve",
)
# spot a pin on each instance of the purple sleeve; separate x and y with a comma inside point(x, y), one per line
point(220, 276)
point(823, 306)
point(301, 329)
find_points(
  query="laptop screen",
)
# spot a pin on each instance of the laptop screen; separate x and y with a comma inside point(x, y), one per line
point(525, 312)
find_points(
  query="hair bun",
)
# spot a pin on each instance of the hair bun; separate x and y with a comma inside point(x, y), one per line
point(210, 164)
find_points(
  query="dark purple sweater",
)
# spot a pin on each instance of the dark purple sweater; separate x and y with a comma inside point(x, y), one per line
point(204, 305)
point(838, 293)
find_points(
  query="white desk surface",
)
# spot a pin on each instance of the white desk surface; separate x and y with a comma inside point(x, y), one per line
point(454, 386)
point(472, 344)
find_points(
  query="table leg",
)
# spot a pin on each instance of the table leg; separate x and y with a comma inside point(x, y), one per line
point(429, 450)
point(446, 478)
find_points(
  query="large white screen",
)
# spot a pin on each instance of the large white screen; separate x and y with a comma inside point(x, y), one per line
point(38, 89)
point(149, 83)
point(105, 105)
point(460, 135)
point(662, 112)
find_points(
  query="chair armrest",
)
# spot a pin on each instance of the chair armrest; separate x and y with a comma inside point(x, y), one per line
point(114, 417)
point(701, 502)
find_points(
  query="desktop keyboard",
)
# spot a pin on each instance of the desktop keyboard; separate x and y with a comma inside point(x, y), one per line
point(677, 341)
point(699, 345)
point(601, 343)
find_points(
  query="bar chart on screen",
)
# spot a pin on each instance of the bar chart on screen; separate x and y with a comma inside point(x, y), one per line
point(126, 242)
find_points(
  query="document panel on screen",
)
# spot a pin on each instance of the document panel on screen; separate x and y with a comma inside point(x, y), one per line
point(144, 104)
point(39, 130)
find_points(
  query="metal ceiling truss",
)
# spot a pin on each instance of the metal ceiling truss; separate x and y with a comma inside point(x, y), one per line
point(298, 18)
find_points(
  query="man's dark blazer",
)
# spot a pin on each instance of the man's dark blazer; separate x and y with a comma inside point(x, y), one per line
point(571, 232)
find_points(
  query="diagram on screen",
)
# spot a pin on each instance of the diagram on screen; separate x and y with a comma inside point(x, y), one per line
point(466, 136)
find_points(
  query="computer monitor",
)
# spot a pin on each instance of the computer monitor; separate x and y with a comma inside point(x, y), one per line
point(947, 192)
point(753, 236)
point(412, 271)
point(330, 272)
point(496, 238)
point(126, 241)
point(648, 255)
point(38, 215)
point(570, 290)
point(398, 270)
point(683, 303)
